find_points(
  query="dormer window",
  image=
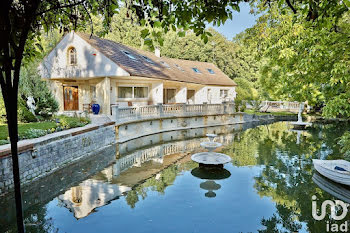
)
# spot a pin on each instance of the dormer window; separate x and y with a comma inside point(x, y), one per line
point(165, 64)
point(211, 71)
point(130, 55)
point(147, 59)
point(72, 56)
point(196, 70)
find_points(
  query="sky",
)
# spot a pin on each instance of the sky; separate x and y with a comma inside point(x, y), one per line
point(240, 21)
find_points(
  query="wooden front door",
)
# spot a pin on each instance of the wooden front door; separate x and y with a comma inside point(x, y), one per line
point(70, 95)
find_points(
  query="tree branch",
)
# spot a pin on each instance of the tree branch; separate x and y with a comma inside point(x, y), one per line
point(60, 7)
point(291, 6)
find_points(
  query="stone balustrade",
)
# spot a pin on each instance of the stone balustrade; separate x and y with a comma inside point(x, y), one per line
point(125, 114)
point(275, 105)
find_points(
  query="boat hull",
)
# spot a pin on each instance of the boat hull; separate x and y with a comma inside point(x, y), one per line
point(326, 168)
point(337, 190)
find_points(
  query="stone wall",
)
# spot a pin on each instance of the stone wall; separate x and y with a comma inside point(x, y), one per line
point(42, 156)
point(187, 124)
point(35, 195)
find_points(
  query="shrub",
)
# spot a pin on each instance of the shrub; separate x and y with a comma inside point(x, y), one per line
point(33, 133)
point(4, 142)
point(32, 85)
point(73, 122)
point(24, 115)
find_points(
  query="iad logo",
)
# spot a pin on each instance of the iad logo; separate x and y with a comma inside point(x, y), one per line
point(335, 207)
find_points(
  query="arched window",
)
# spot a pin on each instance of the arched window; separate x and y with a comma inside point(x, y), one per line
point(72, 56)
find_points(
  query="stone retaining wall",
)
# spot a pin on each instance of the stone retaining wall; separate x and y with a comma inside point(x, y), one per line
point(142, 128)
point(42, 156)
point(41, 191)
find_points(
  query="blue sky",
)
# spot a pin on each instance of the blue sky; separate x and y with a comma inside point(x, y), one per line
point(241, 21)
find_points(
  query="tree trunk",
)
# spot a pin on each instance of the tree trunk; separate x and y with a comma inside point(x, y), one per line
point(10, 96)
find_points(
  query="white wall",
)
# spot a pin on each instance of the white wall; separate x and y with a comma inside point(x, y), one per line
point(57, 91)
point(214, 97)
point(201, 96)
point(157, 93)
point(181, 94)
point(91, 63)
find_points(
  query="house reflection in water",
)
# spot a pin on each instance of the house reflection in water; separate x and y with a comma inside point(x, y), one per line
point(128, 171)
point(90, 194)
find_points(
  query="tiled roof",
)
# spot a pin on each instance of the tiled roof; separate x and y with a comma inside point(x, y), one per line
point(158, 67)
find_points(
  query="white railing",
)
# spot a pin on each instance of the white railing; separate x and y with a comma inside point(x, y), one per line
point(275, 105)
point(124, 114)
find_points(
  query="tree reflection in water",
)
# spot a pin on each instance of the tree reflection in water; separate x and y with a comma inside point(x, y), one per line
point(287, 171)
point(284, 174)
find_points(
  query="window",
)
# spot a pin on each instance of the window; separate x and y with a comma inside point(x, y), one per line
point(130, 55)
point(148, 60)
point(169, 96)
point(93, 92)
point(124, 92)
point(132, 92)
point(196, 70)
point(223, 93)
point(165, 64)
point(211, 71)
point(179, 67)
point(190, 96)
point(140, 92)
point(72, 56)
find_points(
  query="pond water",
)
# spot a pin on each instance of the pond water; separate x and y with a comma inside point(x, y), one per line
point(267, 188)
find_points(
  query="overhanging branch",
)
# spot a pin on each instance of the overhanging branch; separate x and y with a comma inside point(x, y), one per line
point(291, 6)
point(60, 7)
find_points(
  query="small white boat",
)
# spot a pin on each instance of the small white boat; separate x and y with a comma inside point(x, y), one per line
point(336, 170)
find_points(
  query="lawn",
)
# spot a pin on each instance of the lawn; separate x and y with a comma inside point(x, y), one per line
point(22, 127)
point(38, 129)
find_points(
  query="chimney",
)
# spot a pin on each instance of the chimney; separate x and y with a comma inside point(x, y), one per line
point(157, 52)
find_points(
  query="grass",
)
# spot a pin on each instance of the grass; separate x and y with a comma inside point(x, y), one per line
point(251, 111)
point(23, 127)
point(27, 130)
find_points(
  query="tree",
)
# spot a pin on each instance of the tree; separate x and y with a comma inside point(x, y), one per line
point(305, 60)
point(22, 23)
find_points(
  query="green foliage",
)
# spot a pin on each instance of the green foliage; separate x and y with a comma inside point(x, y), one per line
point(344, 142)
point(2, 110)
point(72, 122)
point(24, 115)
point(29, 130)
point(245, 89)
point(31, 84)
point(33, 133)
point(4, 142)
point(304, 60)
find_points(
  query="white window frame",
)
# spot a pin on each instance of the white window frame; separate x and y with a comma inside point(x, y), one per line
point(133, 91)
point(223, 91)
point(69, 56)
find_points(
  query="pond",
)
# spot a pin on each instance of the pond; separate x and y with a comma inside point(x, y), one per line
point(268, 187)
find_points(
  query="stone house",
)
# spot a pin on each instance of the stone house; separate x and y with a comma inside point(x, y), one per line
point(84, 69)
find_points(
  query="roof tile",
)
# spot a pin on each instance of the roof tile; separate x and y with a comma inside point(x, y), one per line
point(155, 69)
